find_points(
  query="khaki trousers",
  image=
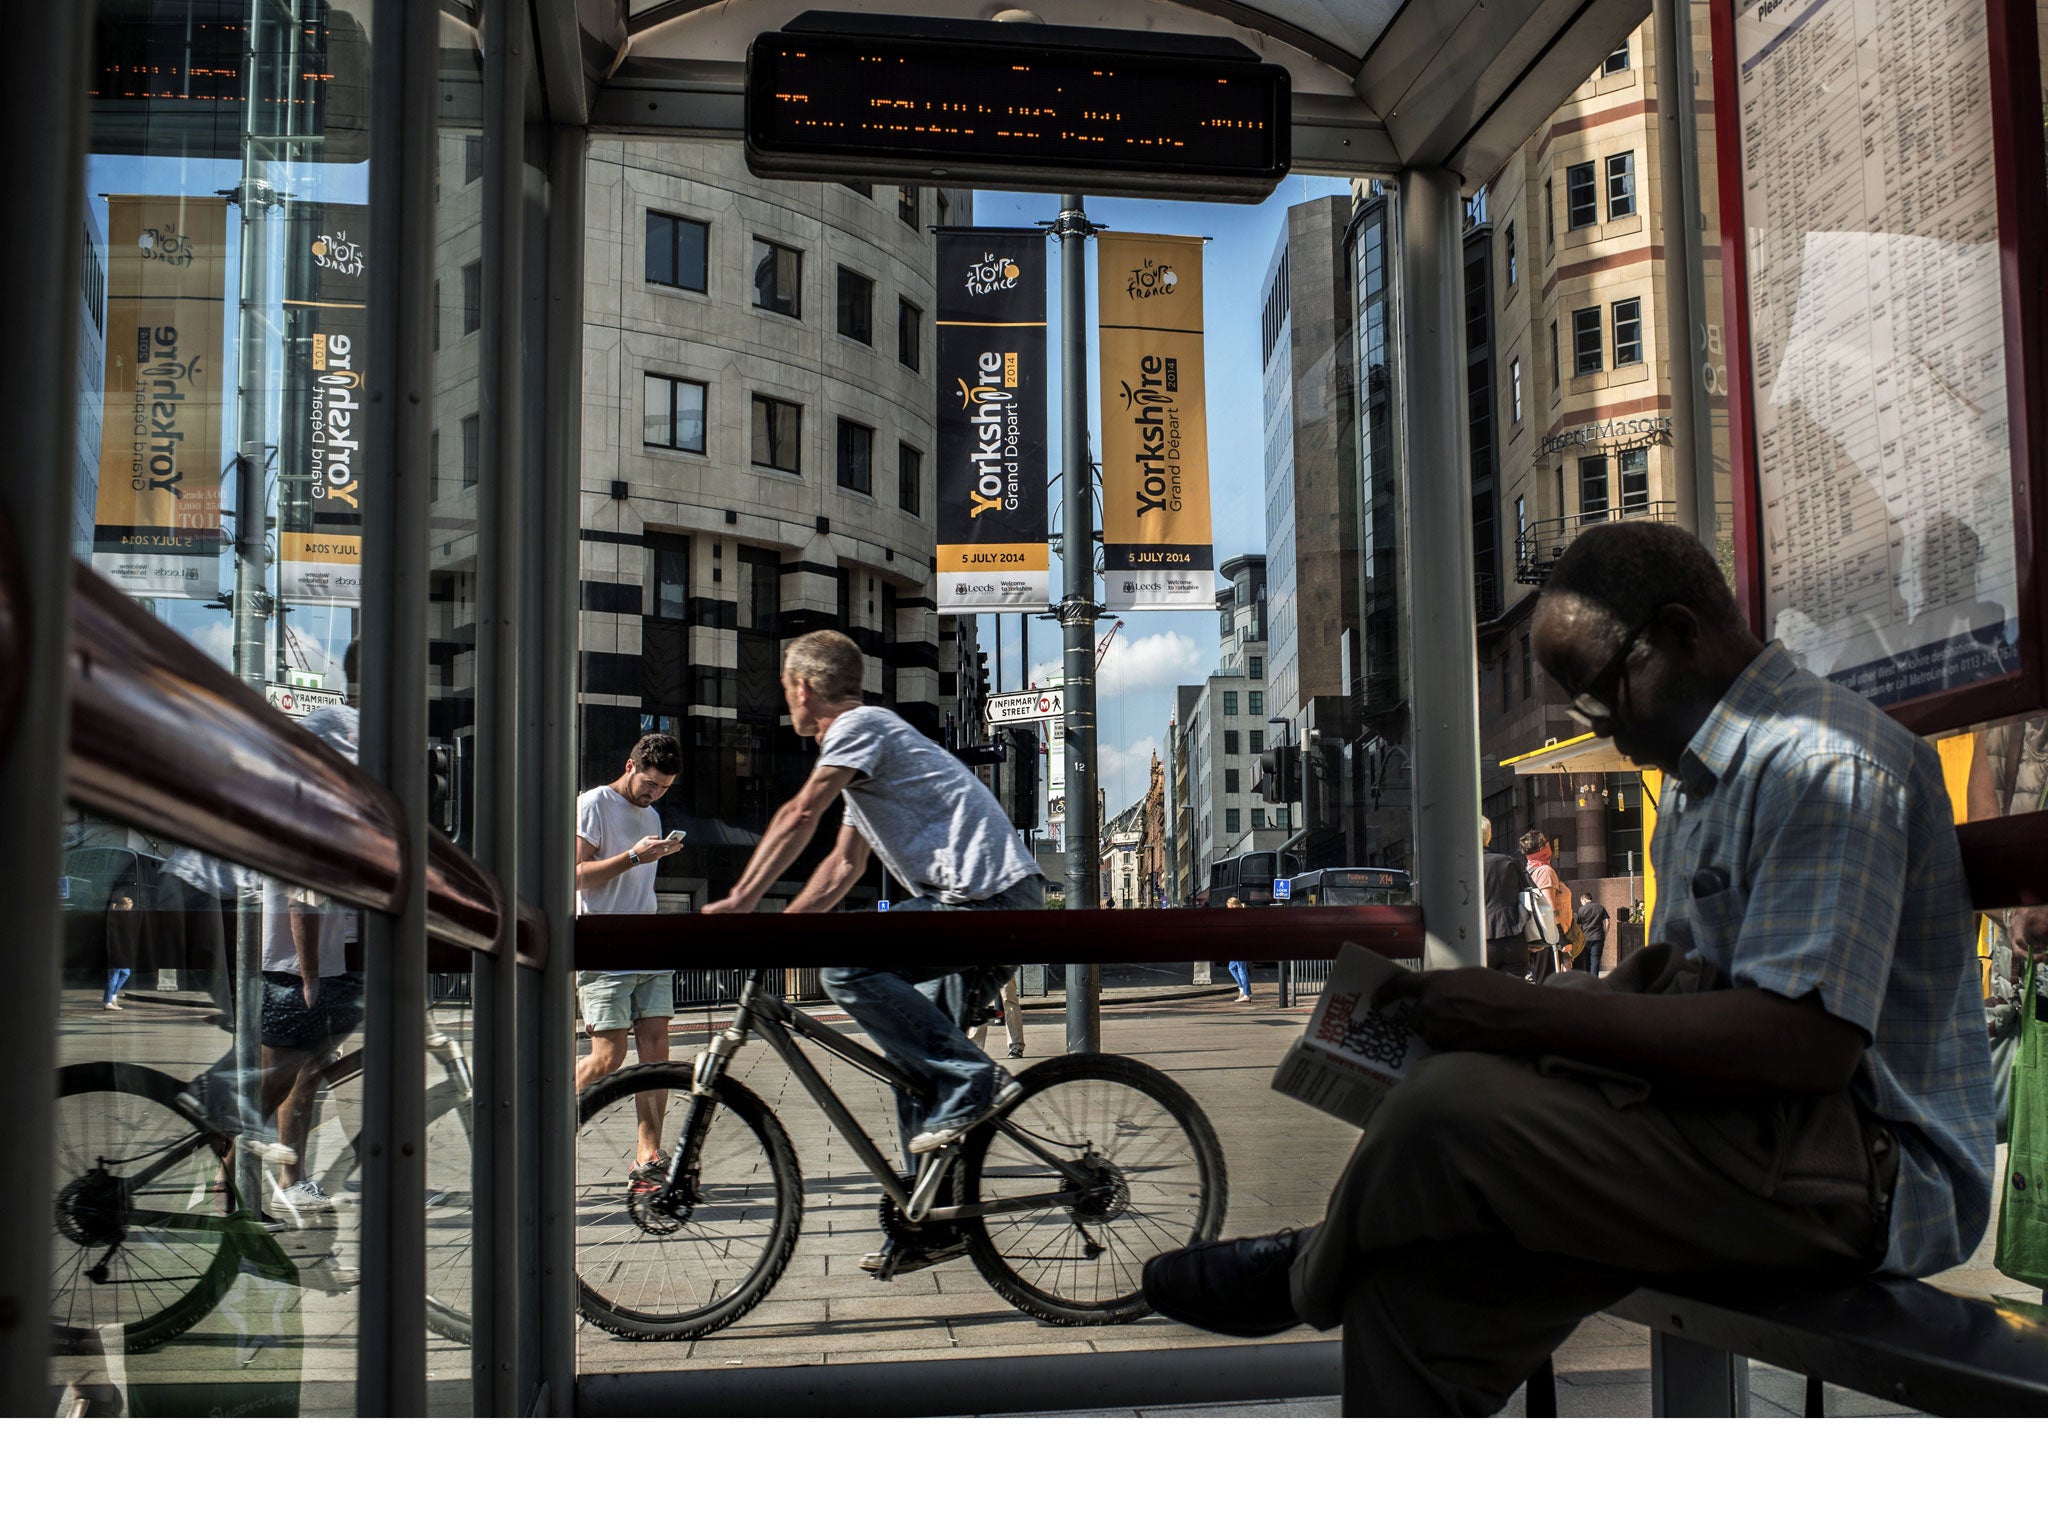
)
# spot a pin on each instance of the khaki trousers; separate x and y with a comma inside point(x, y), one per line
point(1494, 1203)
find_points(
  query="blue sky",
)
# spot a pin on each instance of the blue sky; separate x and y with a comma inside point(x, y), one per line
point(1157, 651)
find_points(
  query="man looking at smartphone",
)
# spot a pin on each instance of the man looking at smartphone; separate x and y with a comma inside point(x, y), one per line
point(618, 842)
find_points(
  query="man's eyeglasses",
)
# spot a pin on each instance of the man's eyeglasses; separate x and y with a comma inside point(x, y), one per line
point(1589, 706)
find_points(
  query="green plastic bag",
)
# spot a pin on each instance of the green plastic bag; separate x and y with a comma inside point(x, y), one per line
point(2023, 1213)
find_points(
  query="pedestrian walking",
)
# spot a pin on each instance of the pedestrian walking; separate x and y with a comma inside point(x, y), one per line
point(1239, 971)
point(1593, 922)
point(120, 945)
point(1503, 880)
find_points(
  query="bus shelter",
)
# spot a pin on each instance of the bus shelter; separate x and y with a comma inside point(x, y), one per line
point(105, 707)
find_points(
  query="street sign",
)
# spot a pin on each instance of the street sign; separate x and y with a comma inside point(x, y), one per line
point(881, 906)
point(1282, 889)
point(1056, 756)
point(300, 701)
point(1023, 708)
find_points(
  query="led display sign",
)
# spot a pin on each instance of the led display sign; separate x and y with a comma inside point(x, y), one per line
point(1037, 108)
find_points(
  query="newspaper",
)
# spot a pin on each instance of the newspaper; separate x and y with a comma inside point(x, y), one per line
point(1358, 1044)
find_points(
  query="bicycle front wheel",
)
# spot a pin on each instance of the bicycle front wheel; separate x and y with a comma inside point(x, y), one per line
point(143, 1209)
point(690, 1267)
point(451, 1212)
point(1142, 1175)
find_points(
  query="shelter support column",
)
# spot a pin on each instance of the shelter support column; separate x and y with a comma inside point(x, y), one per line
point(1436, 529)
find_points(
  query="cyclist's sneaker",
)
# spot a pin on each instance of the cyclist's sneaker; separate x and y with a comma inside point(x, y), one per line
point(931, 1141)
point(1017, 1050)
point(909, 1257)
point(647, 1178)
point(304, 1200)
point(269, 1151)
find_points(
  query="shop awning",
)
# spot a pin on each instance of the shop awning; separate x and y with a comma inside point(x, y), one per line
point(1579, 754)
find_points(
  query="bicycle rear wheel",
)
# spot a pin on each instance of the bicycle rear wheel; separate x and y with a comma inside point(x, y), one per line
point(1151, 1179)
point(451, 1212)
point(142, 1211)
point(680, 1273)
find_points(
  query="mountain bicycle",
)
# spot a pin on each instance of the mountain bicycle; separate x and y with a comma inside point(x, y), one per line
point(1099, 1163)
point(150, 1232)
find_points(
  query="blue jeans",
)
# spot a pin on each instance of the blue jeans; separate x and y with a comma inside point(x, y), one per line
point(1241, 976)
point(117, 978)
point(913, 1013)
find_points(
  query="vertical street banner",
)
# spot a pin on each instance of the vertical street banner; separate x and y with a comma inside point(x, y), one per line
point(1157, 548)
point(320, 452)
point(991, 524)
point(156, 519)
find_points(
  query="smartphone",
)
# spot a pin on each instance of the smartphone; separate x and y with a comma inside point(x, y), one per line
point(675, 836)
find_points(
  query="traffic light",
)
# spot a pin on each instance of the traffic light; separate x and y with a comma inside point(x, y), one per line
point(1279, 781)
point(981, 674)
point(1020, 784)
point(441, 789)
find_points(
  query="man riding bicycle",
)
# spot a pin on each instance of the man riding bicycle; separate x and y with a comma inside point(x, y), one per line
point(946, 841)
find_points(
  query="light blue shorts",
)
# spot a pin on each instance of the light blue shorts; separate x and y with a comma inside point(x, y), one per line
point(618, 1001)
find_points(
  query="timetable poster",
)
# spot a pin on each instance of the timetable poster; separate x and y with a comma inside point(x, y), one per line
point(1878, 341)
point(320, 539)
point(993, 555)
point(1157, 549)
point(157, 517)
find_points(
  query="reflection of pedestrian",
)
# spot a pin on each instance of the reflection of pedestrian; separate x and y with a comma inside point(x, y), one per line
point(1593, 923)
point(187, 903)
point(1502, 880)
point(1239, 971)
point(120, 944)
point(1537, 850)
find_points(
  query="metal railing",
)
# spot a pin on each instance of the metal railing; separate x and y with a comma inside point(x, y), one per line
point(1540, 543)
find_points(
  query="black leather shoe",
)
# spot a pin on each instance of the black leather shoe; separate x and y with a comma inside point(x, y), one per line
point(1238, 1286)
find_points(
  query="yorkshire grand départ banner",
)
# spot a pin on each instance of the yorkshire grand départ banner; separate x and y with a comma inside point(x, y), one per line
point(320, 542)
point(1157, 547)
point(991, 524)
point(157, 516)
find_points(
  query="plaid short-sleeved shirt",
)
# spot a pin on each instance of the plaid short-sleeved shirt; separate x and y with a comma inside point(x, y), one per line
point(1806, 845)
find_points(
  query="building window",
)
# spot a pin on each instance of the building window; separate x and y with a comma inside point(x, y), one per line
point(674, 416)
point(1528, 671)
point(1593, 488)
point(1233, 782)
point(1515, 388)
point(1232, 817)
point(856, 457)
point(1621, 185)
point(1549, 214)
point(1513, 270)
point(1229, 702)
point(778, 430)
point(1257, 664)
point(472, 158)
point(906, 205)
point(1617, 61)
point(1556, 378)
point(1581, 197)
point(909, 479)
point(1230, 743)
point(1258, 701)
point(434, 467)
point(778, 278)
point(909, 335)
point(676, 251)
point(1628, 332)
point(1279, 815)
point(1635, 480)
point(1586, 348)
point(1560, 491)
point(471, 451)
point(856, 307)
point(671, 579)
point(1257, 741)
point(472, 297)
point(1258, 818)
point(864, 189)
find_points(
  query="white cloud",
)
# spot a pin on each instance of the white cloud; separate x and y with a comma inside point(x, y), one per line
point(1136, 663)
point(1126, 771)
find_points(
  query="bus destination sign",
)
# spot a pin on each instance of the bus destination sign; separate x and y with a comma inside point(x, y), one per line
point(1034, 108)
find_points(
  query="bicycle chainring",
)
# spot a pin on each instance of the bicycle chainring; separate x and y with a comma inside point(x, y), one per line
point(930, 1234)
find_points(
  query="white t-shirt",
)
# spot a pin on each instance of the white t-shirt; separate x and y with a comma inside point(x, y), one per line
point(611, 824)
point(339, 725)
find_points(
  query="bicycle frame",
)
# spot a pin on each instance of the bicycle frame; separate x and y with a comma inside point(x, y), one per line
point(782, 1026)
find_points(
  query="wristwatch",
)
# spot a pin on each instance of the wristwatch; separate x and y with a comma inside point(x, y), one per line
point(632, 857)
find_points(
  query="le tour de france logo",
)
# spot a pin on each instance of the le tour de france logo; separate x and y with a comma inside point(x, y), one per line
point(992, 274)
point(338, 253)
point(1151, 280)
point(163, 242)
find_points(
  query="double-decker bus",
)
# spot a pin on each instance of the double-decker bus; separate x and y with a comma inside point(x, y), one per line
point(1353, 888)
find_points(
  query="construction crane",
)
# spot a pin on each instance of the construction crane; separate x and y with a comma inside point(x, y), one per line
point(1102, 649)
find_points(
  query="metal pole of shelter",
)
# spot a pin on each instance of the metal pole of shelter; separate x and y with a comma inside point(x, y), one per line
point(1077, 613)
point(1436, 497)
point(1692, 444)
point(43, 121)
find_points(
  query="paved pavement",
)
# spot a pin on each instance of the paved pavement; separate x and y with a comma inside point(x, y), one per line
point(1282, 1159)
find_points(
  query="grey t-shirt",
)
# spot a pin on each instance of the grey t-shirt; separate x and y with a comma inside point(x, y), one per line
point(935, 825)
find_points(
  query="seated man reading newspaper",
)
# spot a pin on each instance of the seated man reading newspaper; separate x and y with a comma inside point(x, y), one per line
point(1813, 1095)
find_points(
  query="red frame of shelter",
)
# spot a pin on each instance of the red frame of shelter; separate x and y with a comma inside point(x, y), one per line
point(2022, 178)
